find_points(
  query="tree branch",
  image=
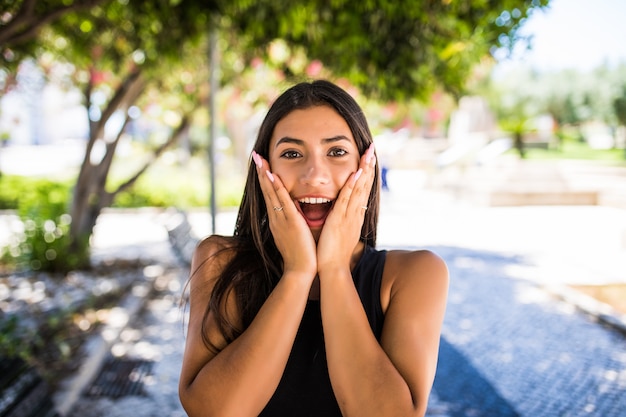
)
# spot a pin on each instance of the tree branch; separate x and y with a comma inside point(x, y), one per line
point(126, 94)
point(105, 164)
point(26, 24)
point(25, 13)
point(180, 131)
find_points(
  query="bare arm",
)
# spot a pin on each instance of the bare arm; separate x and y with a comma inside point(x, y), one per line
point(396, 376)
point(241, 378)
point(393, 378)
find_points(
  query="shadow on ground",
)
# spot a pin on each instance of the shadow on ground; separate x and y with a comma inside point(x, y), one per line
point(511, 348)
point(463, 388)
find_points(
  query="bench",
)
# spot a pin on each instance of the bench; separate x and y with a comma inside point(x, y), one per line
point(23, 393)
point(181, 236)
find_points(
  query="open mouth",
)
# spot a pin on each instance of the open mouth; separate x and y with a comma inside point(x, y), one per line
point(315, 210)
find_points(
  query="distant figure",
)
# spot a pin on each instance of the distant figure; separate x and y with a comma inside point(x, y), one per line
point(297, 313)
point(383, 176)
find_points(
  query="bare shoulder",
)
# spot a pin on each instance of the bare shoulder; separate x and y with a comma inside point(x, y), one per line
point(212, 245)
point(209, 258)
point(416, 272)
point(403, 264)
point(414, 297)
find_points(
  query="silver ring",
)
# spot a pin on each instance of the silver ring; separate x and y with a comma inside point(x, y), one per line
point(278, 208)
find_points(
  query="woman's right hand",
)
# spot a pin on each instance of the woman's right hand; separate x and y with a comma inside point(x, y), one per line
point(292, 235)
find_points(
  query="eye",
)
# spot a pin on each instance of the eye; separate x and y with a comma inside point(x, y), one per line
point(337, 152)
point(290, 154)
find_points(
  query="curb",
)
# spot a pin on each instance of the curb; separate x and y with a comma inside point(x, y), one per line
point(98, 346)
point(603, 312)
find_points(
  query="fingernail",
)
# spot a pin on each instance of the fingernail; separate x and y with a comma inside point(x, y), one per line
point(358, 174)
point(270, 176)
point(369, 154)
point(257, 159)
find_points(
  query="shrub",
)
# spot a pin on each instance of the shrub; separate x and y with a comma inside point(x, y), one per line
point(45, 241)
point(11, 187)
point(42, 206)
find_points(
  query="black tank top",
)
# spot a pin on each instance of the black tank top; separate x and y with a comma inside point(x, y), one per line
point(305, 390)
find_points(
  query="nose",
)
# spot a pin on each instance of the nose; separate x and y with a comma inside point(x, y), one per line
point(315, 172)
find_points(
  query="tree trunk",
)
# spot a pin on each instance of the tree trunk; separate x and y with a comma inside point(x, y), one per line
point(519, 144)
point(90, 195)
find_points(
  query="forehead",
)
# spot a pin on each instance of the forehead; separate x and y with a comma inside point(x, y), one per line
point(312, 125)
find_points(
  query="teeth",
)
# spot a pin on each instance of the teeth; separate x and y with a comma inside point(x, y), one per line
point(309, 200)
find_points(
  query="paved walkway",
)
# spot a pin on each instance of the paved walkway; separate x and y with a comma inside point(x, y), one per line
point(509, 347)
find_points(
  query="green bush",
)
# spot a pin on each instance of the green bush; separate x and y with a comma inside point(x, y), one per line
point(50, 340)
point(30, 343)
point(42, 205)
point(178, 189)
point(45, 243)
point(153, 190)
point(11, 187)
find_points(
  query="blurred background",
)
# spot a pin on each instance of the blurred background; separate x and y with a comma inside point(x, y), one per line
point(126, 130)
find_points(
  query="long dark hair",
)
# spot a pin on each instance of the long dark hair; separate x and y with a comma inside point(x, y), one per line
point(256, 264)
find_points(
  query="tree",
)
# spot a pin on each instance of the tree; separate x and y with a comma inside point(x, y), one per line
point(388, 50)
point(22, 21)
point(619, 105)
point(122, 52)
point(122, 49)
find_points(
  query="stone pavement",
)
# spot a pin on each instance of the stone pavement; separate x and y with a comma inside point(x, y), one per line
point(510, 346)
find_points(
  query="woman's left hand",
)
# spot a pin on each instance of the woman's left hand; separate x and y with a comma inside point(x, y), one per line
point(343, 225)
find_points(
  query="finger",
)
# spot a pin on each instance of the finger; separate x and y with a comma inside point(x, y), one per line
point(283, 205)
point(363, 181)
point(277, 198)
point(266, 179)
point(367, 163)
point(354, 195)
point(347, 199)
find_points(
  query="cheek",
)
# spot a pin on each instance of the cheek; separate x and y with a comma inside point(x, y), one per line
point(342, 174)
point(276, 167)
point(287, 176)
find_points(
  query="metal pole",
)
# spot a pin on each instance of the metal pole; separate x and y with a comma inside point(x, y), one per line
point(213, 62)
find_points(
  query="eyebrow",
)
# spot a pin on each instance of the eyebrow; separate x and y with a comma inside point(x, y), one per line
point(287, 139)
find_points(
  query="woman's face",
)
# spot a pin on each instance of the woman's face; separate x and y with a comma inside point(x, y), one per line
point(313, 152)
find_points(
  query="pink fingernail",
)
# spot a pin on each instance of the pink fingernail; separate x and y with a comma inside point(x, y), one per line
point(270, 176)
point(257, 159)
point(358, 174)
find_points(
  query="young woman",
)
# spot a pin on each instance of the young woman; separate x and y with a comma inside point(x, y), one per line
point(297, 314)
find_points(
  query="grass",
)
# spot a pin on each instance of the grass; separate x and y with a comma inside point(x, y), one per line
point(579, 151)
point(169, 181)
point(183, 186)
point(182, 183)
point(574, 147)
